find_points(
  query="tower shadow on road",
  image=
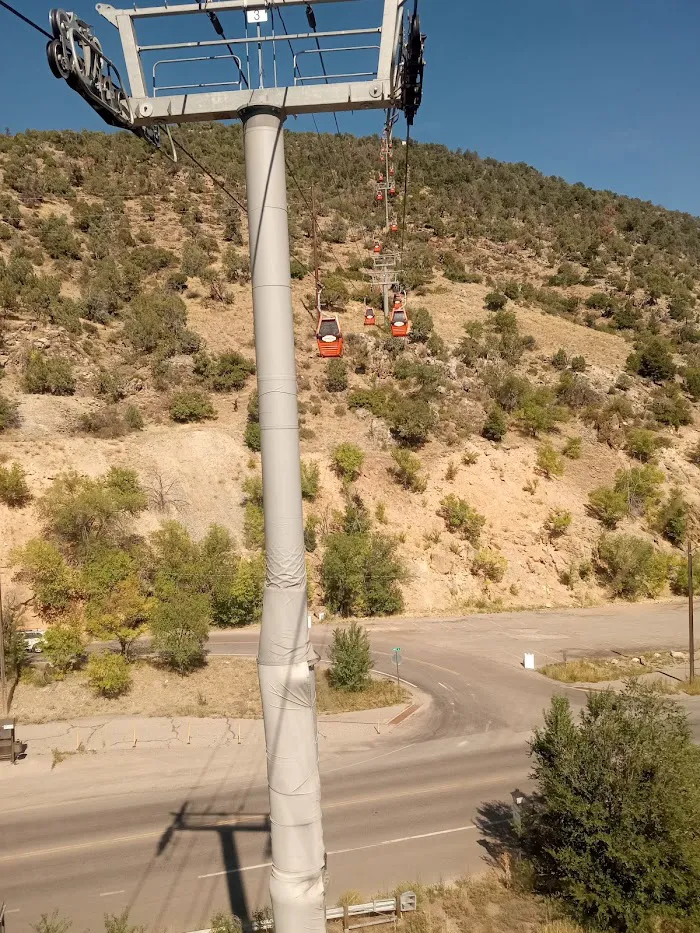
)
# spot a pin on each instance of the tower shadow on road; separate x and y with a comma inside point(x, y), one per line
point(226, 826)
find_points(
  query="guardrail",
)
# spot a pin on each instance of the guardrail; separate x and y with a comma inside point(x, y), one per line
point(386, 910)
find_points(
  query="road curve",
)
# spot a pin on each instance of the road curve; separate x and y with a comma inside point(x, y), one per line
point(175, 835)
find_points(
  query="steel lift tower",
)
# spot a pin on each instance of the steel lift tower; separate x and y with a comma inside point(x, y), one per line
point(272, 73)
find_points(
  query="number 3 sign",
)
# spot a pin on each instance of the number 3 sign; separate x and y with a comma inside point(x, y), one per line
point(258, 15)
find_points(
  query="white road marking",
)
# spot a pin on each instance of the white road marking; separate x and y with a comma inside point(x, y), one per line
point(371, 845)
point(354, 764)
point(235, 871)
point(391, 842)
point(110, 893)
point(462, 743)
point(441, 684)
point(13, 910)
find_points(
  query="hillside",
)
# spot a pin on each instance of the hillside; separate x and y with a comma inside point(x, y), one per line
point(559, 319)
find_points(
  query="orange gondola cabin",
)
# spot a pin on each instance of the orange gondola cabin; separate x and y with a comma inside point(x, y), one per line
point(370, 316)
point(377, 248)
point(400, 324)
point(329, 336)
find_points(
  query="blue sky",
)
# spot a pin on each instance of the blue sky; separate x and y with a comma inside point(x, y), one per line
point(600, 91)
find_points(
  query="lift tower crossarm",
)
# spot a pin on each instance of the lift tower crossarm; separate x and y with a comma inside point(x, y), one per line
point(380, 92)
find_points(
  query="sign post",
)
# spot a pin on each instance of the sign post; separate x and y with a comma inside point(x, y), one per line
point(397, 660)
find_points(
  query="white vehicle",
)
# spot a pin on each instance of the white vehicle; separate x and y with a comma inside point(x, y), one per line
point(33, 639)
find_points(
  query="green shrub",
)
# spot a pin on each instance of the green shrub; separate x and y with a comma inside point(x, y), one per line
point(671, 519)
point(578, 364)
point(608, 506)
point(560, 360)
point(9, 414)
point(351, 658)
point(112, 385)
point(511, 391)
point(495, 426)
point(62, 645)
point(151, 259)
point(640, 487)
point(85, 512)
point(575, 391)
point(253, 526)
point(411, 421)
point(336, 376)
point(176, 282)
point(495, 301)
point(642, 444)
point(453, 268)
point(549, 462)
point(57, 238)
point(678, 576)
point(572, 448)
point(460, 516)
point(252, 435)
point(14, 490)
point(539, 413)
point(653, 360)
point(624, 781)
point(297, 269)
point(489, 564)
point(422, 326)
point(225, 372)
point(557, 523)
point(9, 211)
point(109, 422)
point(406, 470)
point(630, 566)
point(49, 576)
point(347, 460)
point(310, 476)
point(133, 418)
point(191, 405)
point(360, 574)
point(310, 536)
point(179, 629)
point(14, 641)
point(245, 598)
point(691, 382)
point(109, 674)
point(155, 321)
point(48, 375)
point(668, 406)
point(195, 259)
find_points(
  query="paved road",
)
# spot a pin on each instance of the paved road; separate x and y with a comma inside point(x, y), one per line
point(175, 835)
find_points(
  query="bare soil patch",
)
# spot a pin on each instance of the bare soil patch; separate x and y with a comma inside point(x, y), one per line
point(226, 687)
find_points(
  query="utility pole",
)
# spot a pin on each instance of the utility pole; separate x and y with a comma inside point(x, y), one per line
point(691, 617)
point(3, 677)
point(285, 656)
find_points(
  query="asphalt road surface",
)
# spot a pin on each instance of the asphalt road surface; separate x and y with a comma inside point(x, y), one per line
point(174, 835)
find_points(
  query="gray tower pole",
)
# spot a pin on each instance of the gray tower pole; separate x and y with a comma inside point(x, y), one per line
point(385, 296)
point(287, 684)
